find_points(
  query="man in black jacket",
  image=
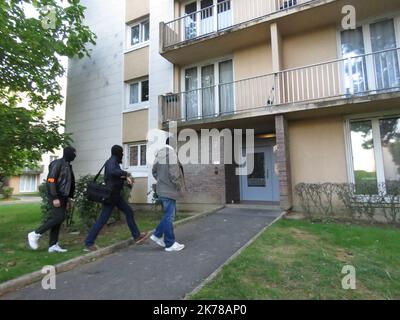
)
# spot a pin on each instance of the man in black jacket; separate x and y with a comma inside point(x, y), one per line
point(61, 187)
point(115, 177)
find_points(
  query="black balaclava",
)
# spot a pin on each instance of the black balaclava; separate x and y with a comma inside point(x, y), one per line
point(117, 151)
point(69, 154)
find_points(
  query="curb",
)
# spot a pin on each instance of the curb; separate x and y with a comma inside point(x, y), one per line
point(36, 276)
point(237, 253)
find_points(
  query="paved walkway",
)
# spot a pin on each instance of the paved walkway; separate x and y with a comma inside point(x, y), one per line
point(22, 200)
point(147, 272)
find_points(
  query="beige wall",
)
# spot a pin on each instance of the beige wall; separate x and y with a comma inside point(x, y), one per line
point(136, 64)
point(309, 48)
point(14, 183)
point(317, 151)
point(139, 191)
point(135, 126)
point(136, 9)
point(252, 62)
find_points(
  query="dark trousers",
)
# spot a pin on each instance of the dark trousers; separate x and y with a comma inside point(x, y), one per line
point(122, 205)
point(55, 222)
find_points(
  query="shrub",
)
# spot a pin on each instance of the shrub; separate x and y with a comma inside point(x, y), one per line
point(7, 192)
point(83, 213)
point(46, 207)
point(361, 201)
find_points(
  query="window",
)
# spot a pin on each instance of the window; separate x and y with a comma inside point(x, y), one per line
point(137, 94)
point(138, 33)
point(28, 183)
point(372, 60)
point(375, 151)
point(136, 155)
point(209, 90)
point(206, 16)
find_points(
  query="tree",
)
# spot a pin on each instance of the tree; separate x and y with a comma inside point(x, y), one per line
point(30, 51)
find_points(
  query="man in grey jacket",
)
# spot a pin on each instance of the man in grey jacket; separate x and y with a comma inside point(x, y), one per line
point(170, 183)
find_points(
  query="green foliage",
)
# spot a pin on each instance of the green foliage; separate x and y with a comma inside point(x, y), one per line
point(83, 213)
point(363, 200)
point(46, 207)
point(7, 192)
point(29, 73)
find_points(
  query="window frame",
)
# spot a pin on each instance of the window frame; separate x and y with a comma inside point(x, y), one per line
point(142, 43)
point(199, 66)
point(376, 135)
point(366, 33)
point(141, 104)
point(139, 170)
point(198, 20)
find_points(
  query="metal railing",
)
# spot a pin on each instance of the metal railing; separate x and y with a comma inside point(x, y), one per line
point(352, 76)
point(219, 17)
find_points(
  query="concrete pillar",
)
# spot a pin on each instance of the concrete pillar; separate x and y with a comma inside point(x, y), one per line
point(276, 46)
point(283, 162)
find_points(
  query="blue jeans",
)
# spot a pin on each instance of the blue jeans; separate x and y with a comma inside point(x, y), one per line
point(122, 205)
point(166, 227)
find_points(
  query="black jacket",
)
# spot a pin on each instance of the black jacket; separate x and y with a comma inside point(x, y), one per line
point(114, 175)
point(61, 179)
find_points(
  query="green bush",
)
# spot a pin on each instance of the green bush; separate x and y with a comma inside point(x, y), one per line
point(46, 207)
point(7, 192)
point(83, 213)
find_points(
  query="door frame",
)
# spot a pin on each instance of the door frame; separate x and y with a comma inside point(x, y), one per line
point(275, 195)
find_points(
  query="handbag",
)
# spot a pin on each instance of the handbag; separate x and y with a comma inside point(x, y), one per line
point(99, 192)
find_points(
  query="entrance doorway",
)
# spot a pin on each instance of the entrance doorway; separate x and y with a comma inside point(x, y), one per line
point(263, 183)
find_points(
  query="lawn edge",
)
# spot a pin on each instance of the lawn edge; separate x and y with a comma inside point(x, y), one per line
point(231, 258)
point(36, 276)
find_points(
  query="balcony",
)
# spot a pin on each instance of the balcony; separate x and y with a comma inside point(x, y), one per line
point(347, 78)
point(220, 17)
point(241, 23)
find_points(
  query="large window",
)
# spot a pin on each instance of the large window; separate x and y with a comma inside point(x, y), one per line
point(372, 58)
point(375, 150)
point(137, 94)
point(209, 90)
point(203, 17)
point(28, 183)
point(138, 33)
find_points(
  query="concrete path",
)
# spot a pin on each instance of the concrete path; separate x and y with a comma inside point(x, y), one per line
point(22, 200)
point(149, 273)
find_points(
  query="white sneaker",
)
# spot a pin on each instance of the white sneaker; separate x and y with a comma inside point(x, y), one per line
point(175, 247)
point(57, 248)
point(159, 241)
point(33, 239)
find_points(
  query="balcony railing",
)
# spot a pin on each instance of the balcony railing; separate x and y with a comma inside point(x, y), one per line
point(220, 17)
point(352, 76)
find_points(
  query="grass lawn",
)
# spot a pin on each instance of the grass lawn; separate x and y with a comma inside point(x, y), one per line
point(304, 260)
point(16, 221)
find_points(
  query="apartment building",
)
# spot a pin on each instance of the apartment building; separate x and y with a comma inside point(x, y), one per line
point(323, 98)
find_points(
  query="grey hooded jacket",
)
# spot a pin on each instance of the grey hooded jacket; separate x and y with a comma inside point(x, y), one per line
point(168, 173)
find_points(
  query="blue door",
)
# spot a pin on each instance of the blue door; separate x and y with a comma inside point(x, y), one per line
point(262, 184)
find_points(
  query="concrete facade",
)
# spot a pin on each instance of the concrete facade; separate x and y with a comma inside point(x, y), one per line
point(291, 50)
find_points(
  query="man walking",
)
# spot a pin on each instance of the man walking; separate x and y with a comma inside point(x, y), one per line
point(115, 177)
point(170, 182)
point(61, 187)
